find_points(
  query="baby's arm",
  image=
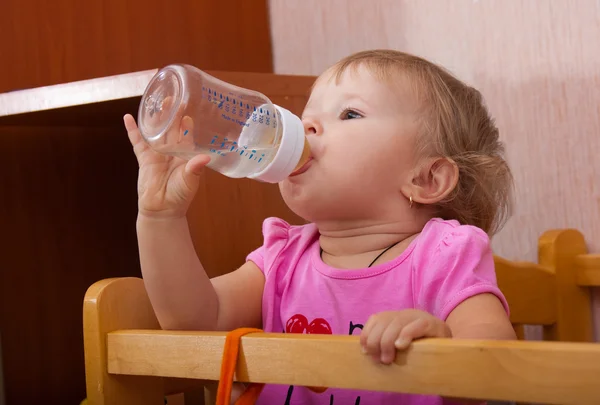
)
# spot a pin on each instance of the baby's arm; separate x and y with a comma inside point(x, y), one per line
point(182, 295)
point(480, 317)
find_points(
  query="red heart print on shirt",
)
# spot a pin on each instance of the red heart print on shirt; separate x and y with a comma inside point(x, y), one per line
point(299, 324)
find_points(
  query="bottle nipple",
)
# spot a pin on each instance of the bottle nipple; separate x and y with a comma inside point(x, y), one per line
point(305, 157)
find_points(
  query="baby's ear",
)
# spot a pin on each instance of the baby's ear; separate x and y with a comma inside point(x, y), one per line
point(434, 179)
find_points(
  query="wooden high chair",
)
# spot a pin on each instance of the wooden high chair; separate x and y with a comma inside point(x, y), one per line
point(130, 361)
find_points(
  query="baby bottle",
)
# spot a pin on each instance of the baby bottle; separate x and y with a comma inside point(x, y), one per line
point(185, 111)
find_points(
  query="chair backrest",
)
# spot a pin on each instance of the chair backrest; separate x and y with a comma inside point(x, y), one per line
point(130, 361)
point(549, 293)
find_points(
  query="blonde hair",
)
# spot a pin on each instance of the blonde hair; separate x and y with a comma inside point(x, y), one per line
point(457, 126)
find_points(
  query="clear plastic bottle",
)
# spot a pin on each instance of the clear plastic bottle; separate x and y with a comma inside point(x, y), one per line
point(185, 111)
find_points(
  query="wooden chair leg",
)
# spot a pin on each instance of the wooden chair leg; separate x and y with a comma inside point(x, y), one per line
point(558, 250)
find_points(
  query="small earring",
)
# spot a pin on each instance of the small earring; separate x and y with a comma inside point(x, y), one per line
point(411, 202)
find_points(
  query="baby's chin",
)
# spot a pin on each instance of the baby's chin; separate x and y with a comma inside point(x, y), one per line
point(308, 203)
point(295, 197)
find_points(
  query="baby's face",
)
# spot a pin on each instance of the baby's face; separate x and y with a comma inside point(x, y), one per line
point(362, 133)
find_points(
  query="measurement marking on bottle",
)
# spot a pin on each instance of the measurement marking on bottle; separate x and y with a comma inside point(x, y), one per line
point(222, 103)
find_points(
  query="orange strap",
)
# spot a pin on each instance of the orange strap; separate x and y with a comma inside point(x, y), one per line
point(228, 366)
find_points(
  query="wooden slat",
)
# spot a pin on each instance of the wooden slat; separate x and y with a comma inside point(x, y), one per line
point(557, 250)
point(530, 290)
point(542, 372)
point(588, 270)
point(109, 305)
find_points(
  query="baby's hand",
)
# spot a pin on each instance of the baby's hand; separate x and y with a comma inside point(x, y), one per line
point(166, 184)
point(386, 332)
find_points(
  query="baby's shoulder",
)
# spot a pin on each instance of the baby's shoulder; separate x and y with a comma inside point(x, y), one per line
point(279, 234)
point(449, 237)
point(454, 264)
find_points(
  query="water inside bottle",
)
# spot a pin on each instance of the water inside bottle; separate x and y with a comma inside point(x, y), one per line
point(228, 157)
point(238, 132)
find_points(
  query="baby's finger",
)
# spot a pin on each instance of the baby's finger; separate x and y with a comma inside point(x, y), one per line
point(388, 340)
point(132, 129)
point(372, 344)
point(419, 328)
point(134, 134)
point(366, 330)
point(196, 164)
point(192, 170)
point(186, 126)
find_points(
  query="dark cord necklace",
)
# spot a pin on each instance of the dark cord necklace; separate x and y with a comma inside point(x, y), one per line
point(378, 256)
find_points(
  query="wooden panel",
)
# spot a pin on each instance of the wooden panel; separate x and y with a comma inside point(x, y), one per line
point(541, 372)
point(68, 181)
point(67, 40)
point(67, 220)
point(530, 290)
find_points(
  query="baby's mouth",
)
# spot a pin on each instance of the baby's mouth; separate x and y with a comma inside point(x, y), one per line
point(303, 168)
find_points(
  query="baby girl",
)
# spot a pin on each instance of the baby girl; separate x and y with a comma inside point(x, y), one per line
point(406, 185)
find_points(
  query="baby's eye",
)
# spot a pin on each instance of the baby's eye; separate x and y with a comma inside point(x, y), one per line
point(350, 114)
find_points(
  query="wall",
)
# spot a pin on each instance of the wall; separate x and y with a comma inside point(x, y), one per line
point(536, 62)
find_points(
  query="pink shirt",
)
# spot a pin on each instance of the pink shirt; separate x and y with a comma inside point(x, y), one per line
point(446, 264)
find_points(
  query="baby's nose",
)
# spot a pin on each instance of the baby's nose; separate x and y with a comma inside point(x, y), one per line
point(311, 127)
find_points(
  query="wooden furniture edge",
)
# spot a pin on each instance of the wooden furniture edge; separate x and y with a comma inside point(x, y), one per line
point(128, 85)
point(542, 372)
